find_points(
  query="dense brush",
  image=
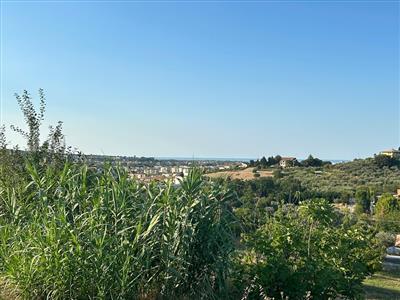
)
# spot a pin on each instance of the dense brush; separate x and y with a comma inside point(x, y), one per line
point(82, 233)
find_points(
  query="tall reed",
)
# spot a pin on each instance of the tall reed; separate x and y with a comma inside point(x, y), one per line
point(80, 233)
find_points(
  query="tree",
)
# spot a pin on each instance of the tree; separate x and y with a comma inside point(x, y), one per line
point(312, 162)
point(263, 162)
point(387, 203)
point(271, 161)
point(52, 149)
point(33, 119)
point(290, 187)
point(363, 200)
point(385, 161)
point(303, 251)
point(387, 213)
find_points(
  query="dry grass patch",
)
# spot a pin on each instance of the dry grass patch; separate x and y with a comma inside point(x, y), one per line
point(245, 174)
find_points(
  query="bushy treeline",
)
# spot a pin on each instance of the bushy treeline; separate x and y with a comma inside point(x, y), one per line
point(386, 161)
point(70, 231)
point(265, 162)
point(261, 197)
point(274, 161)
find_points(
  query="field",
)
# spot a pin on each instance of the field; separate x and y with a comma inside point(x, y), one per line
point(245, 174)
point(383, 285)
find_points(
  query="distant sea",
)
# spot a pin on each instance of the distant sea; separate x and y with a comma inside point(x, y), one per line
point(337, 161)
point(206, 158)
point(334, 161)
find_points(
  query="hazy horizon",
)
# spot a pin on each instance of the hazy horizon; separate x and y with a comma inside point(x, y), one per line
point(211, 79)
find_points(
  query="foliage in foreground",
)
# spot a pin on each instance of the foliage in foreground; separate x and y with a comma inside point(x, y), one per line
point(78, 234)
point(71, 232)
point(305, 252)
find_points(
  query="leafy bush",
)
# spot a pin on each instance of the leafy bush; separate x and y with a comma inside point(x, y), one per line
point(303, 252)
point(363, 200)
point(387, 213)
point(386, 161)
point(386, 204)
point(386, 238)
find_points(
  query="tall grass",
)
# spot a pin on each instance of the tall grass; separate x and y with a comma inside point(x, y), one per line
point(80, 233)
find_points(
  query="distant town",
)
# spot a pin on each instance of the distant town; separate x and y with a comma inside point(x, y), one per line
point(147, 169)
point(150, 168)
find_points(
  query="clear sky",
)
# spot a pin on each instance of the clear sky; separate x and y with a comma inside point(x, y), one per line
point(209, 79)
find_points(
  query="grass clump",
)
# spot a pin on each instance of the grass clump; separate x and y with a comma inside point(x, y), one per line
point(80, 233)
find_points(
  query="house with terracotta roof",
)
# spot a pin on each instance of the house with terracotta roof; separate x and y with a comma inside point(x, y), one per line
point(287, 162)
point(393, 153)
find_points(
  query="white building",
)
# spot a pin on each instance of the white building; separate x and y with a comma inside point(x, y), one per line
point(287, 162)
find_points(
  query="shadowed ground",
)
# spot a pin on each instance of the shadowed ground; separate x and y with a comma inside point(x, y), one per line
point(383, 285)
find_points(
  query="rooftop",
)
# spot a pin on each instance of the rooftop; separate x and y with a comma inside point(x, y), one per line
point(391, 150)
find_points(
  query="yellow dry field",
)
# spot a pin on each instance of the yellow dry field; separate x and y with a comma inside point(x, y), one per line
point(245, 174)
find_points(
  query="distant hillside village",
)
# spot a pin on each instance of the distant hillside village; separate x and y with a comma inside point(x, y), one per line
point(150, 168)
point(386, 157)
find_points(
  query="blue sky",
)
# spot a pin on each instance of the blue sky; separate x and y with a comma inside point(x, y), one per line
point(211, 79)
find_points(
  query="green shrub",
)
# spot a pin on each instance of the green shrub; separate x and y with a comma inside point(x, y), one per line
point(303, 252)
point(387, 213)
point(386, 204)
point(386, 239)
point(363, 200)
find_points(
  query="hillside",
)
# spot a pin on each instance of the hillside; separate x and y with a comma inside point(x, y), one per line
point(346, 177)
